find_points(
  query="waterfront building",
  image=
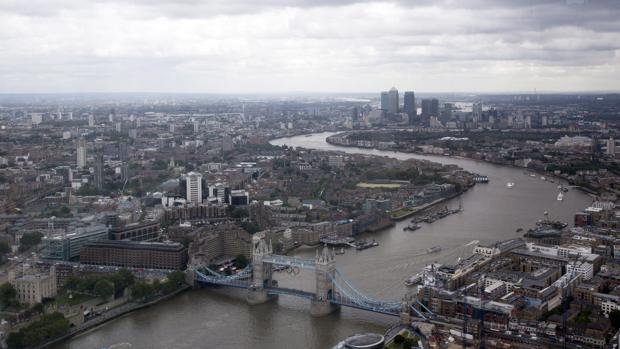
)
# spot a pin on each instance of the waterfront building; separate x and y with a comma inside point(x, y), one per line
point(132, 254)
point(194, 187)
point(202, 212)
point(222, 241)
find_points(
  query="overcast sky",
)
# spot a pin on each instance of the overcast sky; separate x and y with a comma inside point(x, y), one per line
point(271, 46)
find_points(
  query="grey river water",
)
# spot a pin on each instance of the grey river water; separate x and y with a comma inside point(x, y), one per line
point(221, 318)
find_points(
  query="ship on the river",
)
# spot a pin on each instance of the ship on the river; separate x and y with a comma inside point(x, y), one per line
point(434, 249)
point(412, 227)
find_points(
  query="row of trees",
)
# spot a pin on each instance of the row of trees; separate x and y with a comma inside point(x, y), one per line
point(33, 335)
point(8, 296)
point(144, 291)
point(102, 285)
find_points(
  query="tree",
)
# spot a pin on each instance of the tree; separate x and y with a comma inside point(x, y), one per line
point(141, 290)
point(72, 283)
point(4, 247)
point(241, 261)
point(29, 240)
point(250, 227)
point(8, 294)
point(614, 317)
point(104, 288)
point(122, 279)
point(33, 335)
point(238, 212)
point(399, 339)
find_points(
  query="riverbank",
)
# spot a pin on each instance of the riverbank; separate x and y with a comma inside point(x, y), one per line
point(411, 212)
point(330, 140)
point(111, 315)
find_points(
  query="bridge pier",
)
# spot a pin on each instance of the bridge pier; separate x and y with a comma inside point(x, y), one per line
point(325, 274)
point(190, 278)
point(257, 296)
point(405, 313)
point(261, 272)
point(322, 308)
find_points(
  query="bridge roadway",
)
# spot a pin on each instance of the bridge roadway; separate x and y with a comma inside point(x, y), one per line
point(290, 261)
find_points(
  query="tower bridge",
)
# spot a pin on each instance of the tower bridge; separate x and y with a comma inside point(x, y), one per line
point(332, 289)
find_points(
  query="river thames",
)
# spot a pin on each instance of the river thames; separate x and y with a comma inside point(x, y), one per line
point(222, 319)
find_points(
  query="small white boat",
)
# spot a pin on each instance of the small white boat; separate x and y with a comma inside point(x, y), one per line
point(543, 178)
point(510, 184)
point(560, 196)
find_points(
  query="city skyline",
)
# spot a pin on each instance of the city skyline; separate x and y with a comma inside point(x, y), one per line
point(308, 46)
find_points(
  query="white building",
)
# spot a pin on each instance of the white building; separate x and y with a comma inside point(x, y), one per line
point(218, 191)
point(81, 153)
point(488, 251)
point(36, 118)
point(609, 306)
point(585, 269)
point(194, 187)
point(33, 288)
point(611, 147)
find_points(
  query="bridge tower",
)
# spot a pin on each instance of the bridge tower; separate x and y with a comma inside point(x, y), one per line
point(261, 271)
point(405, 313)
point(325, 274)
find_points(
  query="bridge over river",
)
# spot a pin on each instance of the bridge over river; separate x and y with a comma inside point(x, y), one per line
point(332, 288)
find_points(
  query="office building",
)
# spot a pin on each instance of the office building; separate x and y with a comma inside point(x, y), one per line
point(239, 198)
point(99, 170)
point(136, 232)
point(219, 191)
point(227, 143)
point(611, 147)
point(91, 120)
point(65, 247)
point(81, 153)
point(131, 254)
point(409, 105)
point(430, 107)
point(36, 118)
point(393, 101)
point(123, 153)
point(194, 187)
point(384, 100)
point(355, 114)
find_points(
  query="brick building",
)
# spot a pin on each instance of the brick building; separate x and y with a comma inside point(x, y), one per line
point(150, 255)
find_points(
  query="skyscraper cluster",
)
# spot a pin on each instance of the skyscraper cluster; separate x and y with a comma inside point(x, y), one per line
point(390, 103)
